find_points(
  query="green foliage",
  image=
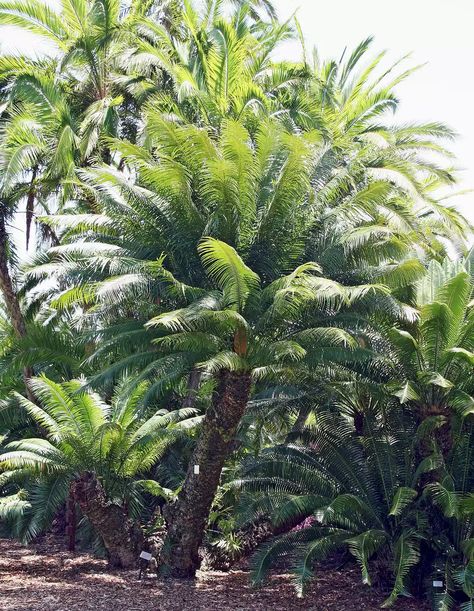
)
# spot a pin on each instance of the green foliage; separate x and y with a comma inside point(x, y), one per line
point(117, 442)
point(202, 207)
point(355, 491)
point(394, 474)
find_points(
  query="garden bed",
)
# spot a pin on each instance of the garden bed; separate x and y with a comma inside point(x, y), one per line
point(44, 577)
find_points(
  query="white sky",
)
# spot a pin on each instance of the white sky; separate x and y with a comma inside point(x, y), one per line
point(439, 32)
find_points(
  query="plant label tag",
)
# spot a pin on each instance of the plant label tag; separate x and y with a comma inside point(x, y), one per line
point(196, 469)
point(146, 556)
point(437, 584)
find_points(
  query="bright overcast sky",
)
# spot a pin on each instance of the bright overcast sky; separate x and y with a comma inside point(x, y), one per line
point(438, 32)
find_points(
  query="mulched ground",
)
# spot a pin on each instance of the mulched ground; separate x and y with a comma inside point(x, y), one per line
point(46, 577)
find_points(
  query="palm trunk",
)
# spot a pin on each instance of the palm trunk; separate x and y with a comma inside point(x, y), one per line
point(121, 538)
point(71, 522)
point(30, 206)
point(442, 435)
point(187, 518)
point(192, 387)
point(10, 298)
point(298, 426)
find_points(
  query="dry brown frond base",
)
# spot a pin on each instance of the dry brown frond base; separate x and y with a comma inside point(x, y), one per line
point(46, 577)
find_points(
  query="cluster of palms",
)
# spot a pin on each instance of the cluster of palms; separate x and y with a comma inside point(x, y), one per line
point(240, 305)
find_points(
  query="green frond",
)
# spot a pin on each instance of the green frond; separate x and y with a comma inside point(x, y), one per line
point(226, 268)
point(363, 547)
point(407, 555)
point(35, 17)
point(402, 498)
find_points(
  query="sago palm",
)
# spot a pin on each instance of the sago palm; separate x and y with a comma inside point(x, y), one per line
point(437, 355)
point(87, 443)
point(364, 493)
point(184, 185)
point(241, 331)
point(224, 69)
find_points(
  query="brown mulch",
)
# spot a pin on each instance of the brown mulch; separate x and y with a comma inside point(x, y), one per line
point(46, 577)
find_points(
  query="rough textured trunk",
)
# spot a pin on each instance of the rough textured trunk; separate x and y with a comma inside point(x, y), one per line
point(122, 540)
point(10, 298)
point(30, 206)
point(299, 423)
point(443, 434)
point(194, 380)
point(71, 523)
point(186, 519)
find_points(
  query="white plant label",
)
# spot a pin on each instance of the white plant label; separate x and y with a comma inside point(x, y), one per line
point(146, 556)
point(437, 584)
point(196, 469)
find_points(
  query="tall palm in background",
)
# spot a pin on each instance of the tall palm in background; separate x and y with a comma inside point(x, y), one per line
point(46, 124)
point(225, 68)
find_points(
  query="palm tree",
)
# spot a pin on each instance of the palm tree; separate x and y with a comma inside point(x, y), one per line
point(349, 102)
point(436, 356)
point(390, 475)
point(225, 67)
point(92, 455)
point(238, 332)
point(359, 231)
point(185, 185)
point(364, 493)
point(116, 264)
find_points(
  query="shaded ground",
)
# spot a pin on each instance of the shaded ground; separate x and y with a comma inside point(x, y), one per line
point(44, 576)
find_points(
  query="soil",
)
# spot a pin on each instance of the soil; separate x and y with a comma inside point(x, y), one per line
point(44, 576)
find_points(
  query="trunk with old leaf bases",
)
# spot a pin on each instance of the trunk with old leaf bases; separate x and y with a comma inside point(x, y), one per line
point(187, 517)
point(122, 539)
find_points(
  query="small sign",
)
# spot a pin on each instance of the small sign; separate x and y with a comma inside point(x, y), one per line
point(196, 469)
point(146, 556)
point(437, 584)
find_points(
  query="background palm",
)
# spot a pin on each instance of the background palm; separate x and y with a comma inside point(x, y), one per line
point(224, 69)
